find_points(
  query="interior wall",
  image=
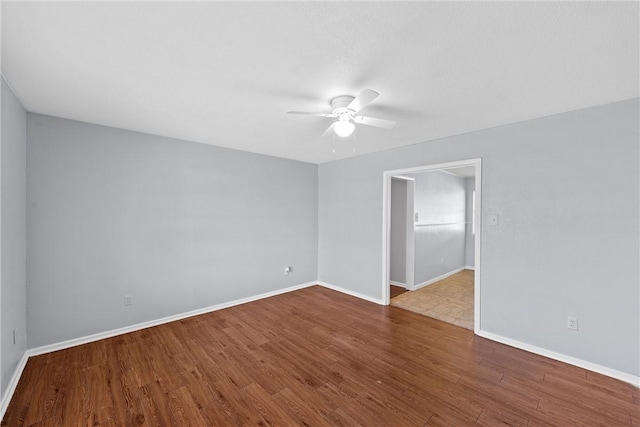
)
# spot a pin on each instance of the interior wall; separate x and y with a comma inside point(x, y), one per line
point(566, 192)
point(440, 230)
point(12, 235)
point(177, 225)
point(398, 232)
point(469, 239)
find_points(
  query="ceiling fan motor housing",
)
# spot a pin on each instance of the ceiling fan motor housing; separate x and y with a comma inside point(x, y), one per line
point(339, 105)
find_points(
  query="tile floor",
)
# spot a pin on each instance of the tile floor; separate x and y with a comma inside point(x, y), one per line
point(449, 300)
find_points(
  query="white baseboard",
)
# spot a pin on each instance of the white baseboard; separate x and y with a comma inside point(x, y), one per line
point(352, 293)
point(402, 285)
point(632, 379)
point(469, 267)
point(13, 383)
point(114, 332)
point(436, 279)
point(619, 375)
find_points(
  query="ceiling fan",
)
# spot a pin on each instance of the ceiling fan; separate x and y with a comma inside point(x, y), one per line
point(345, 108)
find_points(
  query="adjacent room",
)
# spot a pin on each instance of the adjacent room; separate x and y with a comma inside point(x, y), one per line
point(319, 213)
point(432, 243)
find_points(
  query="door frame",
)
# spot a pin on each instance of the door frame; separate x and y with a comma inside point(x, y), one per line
point(386, 227)
point(409, 229)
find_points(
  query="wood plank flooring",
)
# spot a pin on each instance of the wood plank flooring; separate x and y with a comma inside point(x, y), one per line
point(311, 357)
point(394, 291)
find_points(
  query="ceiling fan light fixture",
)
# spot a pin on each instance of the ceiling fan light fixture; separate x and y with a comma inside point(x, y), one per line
point(346, 108)
point(344, 128)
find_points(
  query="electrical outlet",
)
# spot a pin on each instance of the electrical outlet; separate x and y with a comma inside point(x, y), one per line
point(128, 300)
point(572, 323)
point(288, 270)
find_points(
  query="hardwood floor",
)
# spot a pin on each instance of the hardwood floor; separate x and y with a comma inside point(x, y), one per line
point(311, 357)
point(394, 291)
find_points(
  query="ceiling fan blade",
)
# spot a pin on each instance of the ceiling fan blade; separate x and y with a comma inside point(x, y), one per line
point(309, 113)
point(329, 129)
point(372, 121)
point(362, 99)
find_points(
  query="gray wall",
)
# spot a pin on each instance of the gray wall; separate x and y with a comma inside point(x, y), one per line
point(469, 238)
point(566, 189)
point(177, 225)
point(13, 235)
point(439, 233)
point(398, 232)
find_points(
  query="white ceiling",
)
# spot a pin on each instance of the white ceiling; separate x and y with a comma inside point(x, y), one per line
point(225, 73)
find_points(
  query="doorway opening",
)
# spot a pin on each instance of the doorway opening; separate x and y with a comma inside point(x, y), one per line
point(431, 241)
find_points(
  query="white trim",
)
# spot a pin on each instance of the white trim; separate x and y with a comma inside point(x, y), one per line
point(402, 285)
point(386, 237)
point(477, 288)
point(410, 236)
point(426, 168)
point(11, 387)
point(404, 178)
point(353, 293)
point(114, 332)
point(6, 399)
point(468, 267)
point(436, 279)
point(619, 375)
